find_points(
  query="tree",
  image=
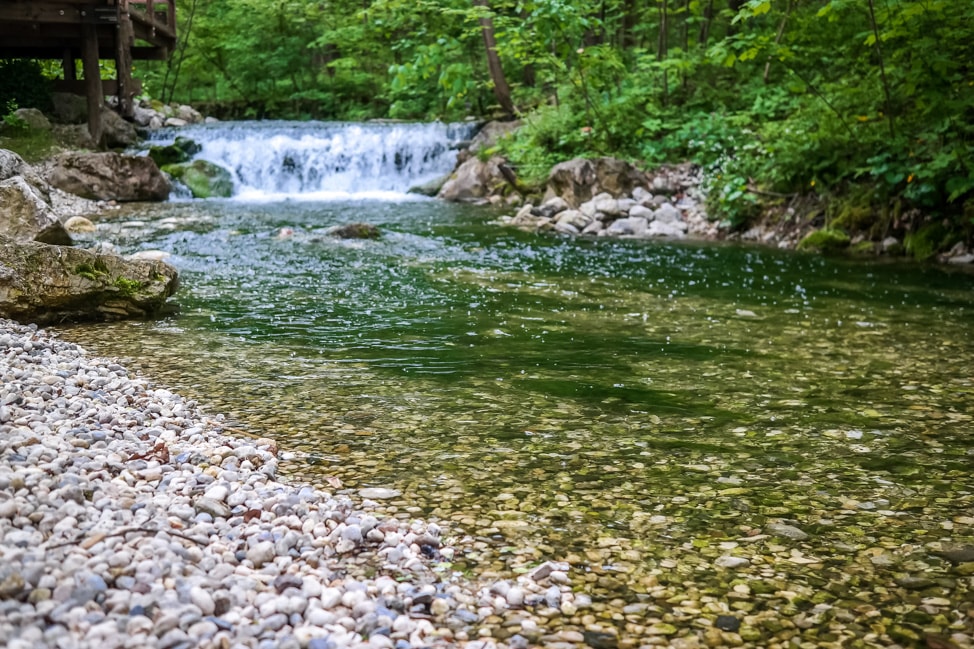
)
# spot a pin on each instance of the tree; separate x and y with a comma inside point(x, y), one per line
point(502, 91)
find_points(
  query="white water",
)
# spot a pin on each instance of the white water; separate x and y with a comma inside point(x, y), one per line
point(272, 161)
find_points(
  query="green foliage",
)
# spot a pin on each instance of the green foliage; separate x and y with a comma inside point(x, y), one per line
point(928, 240)
point(770, 97)
point(23, 85)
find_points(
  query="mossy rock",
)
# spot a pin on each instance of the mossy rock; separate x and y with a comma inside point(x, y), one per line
point(204, 179)
point(863, 249)
point(851, 216)
point(179, 151)
point(827, 240)
point(927, 241)
point(355, 231)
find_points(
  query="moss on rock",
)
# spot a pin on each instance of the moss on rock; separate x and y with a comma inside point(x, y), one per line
point(204, 179)
point(828, 240)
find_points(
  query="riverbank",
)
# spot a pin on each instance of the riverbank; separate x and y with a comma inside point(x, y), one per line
point(128, 518)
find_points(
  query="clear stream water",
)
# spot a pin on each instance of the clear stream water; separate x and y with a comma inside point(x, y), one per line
point(639, 409)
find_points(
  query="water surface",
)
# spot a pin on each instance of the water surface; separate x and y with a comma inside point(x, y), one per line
point(638, 409)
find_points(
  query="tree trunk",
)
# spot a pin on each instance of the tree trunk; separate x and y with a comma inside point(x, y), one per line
point(708, 15)
point(502, 91)
point(777, 38)
point(663, 46)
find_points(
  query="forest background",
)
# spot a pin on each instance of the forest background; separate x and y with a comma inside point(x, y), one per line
point(866, 106)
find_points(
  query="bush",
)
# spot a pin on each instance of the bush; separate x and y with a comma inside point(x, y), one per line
point(23, 85)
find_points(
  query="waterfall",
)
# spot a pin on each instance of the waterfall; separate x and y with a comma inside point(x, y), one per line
point(326, 160)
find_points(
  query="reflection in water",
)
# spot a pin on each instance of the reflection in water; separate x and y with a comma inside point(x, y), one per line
point(636, 409)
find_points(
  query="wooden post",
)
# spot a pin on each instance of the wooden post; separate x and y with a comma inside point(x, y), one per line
point(124, 39)
point(67, 65)
point(96, 100)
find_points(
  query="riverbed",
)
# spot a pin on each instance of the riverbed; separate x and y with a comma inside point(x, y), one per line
point(727, 444)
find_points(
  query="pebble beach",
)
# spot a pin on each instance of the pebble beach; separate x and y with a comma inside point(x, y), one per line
point(129, 519)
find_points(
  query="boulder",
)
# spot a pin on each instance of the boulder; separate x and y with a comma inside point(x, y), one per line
point(74, 136)
point(204, 179)
point(491, 133)
point(116, 132)
point(549, 208)
point(109, 176)
point(79, 225)
point(355, 231)
point(69, 108)
point(578, 180)
point(34, 119)
point(431, 188)
point(53, 284)
point(475, 179)
point(627, 227)
point(667, 229)
point(594, 228)
point(143, 116)
point(182, 150)
point(189, 114)
point(12, 165)
point(574, 218)
point(642, 212)
point(25, 216)
point(641, 195)
point(666, 213)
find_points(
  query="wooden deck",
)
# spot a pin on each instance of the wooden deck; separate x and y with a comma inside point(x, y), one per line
point(90, 30)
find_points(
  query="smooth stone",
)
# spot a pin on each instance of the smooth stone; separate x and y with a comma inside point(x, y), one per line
point(787, 531)
point(379, 493)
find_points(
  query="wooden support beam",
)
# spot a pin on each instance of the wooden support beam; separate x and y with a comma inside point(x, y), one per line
point(123, 65)
point(68, 66)
point(93, 89)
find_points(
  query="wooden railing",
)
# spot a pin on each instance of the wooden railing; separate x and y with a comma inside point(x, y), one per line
point(158, 14)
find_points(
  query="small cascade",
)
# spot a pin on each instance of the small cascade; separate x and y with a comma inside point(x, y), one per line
point(326, 160)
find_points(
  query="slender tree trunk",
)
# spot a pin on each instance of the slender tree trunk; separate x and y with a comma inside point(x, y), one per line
point(882, 70)
point(502, 91)
point(176, 62)
point(708, 15)
point(777, 38)
point(663, 46)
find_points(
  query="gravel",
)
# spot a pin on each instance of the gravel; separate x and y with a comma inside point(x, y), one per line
point(128, 519)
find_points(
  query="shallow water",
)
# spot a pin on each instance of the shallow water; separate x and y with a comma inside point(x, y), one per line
point(637, 409)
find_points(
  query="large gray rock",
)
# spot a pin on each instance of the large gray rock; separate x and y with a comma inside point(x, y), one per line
point(69, 108)
point(116, 132)
point(475, 180)
point(12, 165)
point(25, 216)
point(632, 226)
point(667, 229)
point(579, 180)
point(34, 119)
point(47, 284)
point(109, 176)
point(491, 133)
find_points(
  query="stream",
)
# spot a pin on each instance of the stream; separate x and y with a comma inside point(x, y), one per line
point(694, 427)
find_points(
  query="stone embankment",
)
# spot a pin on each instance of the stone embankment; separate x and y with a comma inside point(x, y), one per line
point(129, 519)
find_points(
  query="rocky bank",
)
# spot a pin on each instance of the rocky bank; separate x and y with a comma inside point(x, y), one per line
point(607, 197)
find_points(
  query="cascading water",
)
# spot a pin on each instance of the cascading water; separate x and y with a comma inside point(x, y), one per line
point(322, 160)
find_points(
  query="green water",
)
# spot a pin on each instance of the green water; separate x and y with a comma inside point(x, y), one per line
point(637, 409)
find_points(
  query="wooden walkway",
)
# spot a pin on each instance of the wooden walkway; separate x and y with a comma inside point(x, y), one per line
point(90, 30)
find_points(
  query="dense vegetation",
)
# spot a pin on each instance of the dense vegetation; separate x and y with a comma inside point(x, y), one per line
point(867, 104)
